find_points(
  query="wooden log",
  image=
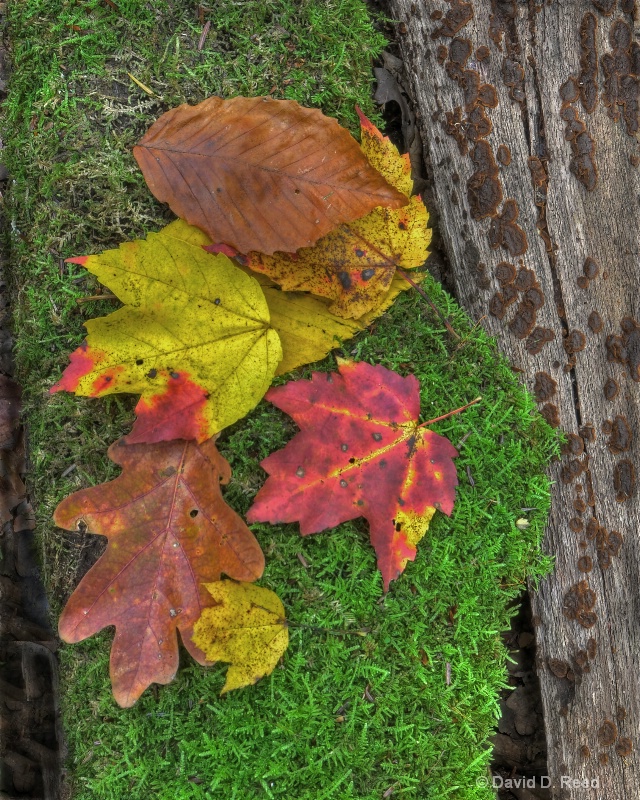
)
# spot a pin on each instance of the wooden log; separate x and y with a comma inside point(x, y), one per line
point(529, 115)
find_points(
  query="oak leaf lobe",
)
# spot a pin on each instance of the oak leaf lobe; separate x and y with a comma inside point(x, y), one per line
point(169, 531)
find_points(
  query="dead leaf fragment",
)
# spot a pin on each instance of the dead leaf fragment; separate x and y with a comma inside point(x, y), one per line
point(244, 626)
point(169, 531)
point(259, 174)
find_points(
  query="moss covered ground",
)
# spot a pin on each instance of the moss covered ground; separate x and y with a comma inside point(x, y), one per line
point(405, 710)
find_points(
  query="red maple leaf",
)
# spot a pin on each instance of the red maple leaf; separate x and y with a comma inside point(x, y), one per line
point(169, 533)
point(360, 453)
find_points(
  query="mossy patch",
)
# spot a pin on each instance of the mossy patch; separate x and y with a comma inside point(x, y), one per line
point(411, 704)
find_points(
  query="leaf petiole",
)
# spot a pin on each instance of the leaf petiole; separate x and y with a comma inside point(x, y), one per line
point(449, 413)
point(434, 307)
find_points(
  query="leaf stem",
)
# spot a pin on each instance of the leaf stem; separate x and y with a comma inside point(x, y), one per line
point(450, 413)
point(105, 296)
point(419, 289)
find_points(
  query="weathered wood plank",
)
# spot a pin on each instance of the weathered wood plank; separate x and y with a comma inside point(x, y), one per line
point(564, 155)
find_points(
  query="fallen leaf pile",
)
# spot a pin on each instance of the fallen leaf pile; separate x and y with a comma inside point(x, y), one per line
point(289, 242)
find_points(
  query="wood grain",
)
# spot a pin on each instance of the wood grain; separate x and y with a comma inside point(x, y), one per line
point(573, 176)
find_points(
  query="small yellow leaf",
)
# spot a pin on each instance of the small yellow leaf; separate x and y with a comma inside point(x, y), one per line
point(245, 627)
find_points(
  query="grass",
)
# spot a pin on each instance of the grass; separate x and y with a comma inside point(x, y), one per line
point(410, 706)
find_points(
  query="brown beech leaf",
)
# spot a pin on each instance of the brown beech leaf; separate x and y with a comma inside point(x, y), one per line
point(260, 174)
point(169, 533)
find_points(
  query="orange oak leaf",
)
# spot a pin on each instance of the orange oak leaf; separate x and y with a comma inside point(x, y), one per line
point(354, 265)
point(260, 174)
point(169, 532)
point(360, 453)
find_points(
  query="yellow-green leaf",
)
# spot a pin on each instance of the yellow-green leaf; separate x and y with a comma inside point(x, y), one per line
point(194, 339)
point(246, 627)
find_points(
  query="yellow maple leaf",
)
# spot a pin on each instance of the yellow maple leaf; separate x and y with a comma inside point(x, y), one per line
point(355, 264)
point(306, 327)
point(194, 339)
point(245, 627)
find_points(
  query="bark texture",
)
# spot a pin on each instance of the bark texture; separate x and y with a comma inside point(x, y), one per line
point(529, 117)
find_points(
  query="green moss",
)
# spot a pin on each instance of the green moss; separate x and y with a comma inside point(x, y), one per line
point(309, 731)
